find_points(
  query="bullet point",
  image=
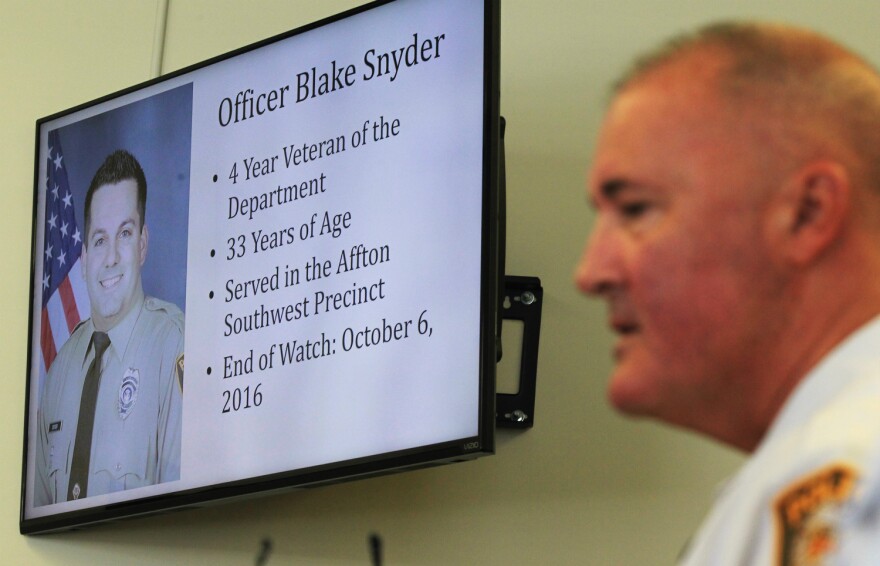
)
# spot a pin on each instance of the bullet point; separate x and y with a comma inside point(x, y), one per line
point(215, 178)
point(209, 371)
point(211, 295)
point(212, 253)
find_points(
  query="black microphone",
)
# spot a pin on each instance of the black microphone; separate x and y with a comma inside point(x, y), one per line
point(265, 551)
point(376, 549)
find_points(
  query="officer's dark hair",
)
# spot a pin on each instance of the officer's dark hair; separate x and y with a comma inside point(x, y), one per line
point(119, 166)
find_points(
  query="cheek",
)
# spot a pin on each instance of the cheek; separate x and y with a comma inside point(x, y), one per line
point(685, 293)
point(90, 265)
point(128, 252)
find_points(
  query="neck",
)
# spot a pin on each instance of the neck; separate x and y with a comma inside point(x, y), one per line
point(827, 308)
point(809, 318)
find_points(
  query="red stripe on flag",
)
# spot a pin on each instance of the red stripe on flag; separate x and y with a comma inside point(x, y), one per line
point(47, 342)
point(68, 301)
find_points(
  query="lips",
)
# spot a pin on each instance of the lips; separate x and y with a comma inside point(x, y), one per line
point(625, 330)
point(624, 326)
point(111, 282)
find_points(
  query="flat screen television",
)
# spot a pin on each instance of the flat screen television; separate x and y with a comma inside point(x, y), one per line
point(274, 269)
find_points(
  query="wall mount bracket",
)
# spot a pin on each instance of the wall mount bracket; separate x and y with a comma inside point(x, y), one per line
point(522, 300)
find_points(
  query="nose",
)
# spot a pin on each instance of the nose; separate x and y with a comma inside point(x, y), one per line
point(112, 254)
point(599, 270)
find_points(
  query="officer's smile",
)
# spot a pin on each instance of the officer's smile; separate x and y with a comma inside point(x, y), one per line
point(111, 282)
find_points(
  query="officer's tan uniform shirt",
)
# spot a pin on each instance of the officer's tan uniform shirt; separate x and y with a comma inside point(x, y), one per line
point(136, 437)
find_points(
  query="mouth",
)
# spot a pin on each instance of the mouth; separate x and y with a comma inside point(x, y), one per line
point(625, 330)
point(110, 282)
point(624, 327)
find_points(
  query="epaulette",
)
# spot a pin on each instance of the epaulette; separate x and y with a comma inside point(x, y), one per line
point(172, 311)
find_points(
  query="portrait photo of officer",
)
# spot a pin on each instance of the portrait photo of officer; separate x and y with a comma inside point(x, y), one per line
point(110, 409)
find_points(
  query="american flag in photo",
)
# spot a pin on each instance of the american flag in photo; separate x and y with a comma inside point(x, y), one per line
point(64, 293)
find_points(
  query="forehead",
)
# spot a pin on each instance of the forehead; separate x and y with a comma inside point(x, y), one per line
point(667, 132)
point(114, 202)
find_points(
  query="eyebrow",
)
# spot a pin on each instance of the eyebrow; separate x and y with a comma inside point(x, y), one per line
point(609, 190)
point(612, 187)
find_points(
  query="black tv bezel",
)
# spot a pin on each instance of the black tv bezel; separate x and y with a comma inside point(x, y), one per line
point(380, 464)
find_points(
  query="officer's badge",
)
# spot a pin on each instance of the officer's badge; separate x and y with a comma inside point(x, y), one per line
point(807, 516)
point(128, 392)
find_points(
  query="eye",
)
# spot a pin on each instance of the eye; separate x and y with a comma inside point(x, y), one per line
point(634, 209)
point(98, 242)
point(125, 233)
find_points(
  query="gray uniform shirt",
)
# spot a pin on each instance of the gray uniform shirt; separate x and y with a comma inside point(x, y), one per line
point(136, 436)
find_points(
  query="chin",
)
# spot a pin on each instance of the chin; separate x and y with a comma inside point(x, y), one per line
point(108, 313)
point(630, 395)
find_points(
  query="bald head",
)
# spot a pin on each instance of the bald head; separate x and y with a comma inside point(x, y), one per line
point(811, 97)
point(759, 52)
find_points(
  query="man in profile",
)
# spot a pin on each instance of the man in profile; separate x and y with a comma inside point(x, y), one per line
point(110, 411)
point(737, 244)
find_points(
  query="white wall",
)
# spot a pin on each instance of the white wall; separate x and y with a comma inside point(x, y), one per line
point(585, 486)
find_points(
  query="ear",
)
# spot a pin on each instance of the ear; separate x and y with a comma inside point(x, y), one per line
point(142, 249)
point(811, 213)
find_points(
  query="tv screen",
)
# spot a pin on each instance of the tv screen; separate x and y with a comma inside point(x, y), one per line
point(274, 269)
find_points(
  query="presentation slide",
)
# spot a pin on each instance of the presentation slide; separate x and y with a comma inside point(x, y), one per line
point(300, 285)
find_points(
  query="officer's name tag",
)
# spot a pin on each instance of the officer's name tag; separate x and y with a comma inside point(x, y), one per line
point(55, 427)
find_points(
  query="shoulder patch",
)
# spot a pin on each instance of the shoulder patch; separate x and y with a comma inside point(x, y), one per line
point(179, 371)
point(807, 514)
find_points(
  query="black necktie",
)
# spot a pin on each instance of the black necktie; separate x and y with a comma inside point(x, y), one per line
point(82, 448)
